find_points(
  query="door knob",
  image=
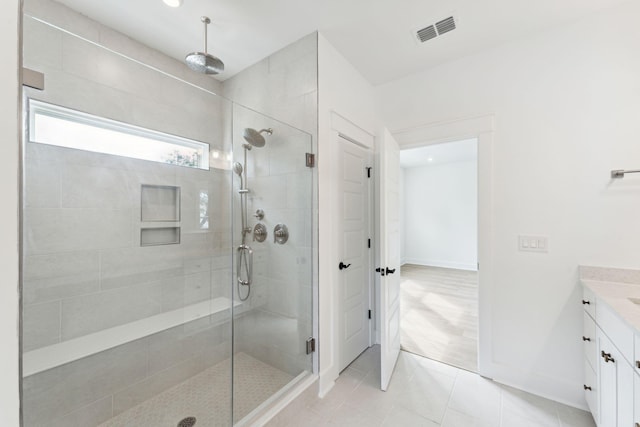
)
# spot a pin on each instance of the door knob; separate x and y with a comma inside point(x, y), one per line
point(586, 339)
point(390, 271)
point(342, 265)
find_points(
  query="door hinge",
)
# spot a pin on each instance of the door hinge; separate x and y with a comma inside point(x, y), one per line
point(369, 314)
point(311, 345)
point(369, 243)
point(310, 160)
point(368, 171)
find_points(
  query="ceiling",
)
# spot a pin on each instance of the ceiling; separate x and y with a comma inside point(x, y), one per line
point(374, 35)
point(431, 155)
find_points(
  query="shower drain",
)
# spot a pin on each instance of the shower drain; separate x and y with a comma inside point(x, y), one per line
point(187, 422)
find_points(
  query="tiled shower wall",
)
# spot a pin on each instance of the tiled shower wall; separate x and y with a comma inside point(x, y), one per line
point(283, 86)
point(84, 269)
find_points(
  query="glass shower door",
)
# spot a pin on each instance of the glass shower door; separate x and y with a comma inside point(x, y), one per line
point(272, 214)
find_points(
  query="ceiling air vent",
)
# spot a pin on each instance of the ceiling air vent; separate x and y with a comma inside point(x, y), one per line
point(446, 25)
point(435, 30)
point(427, 33)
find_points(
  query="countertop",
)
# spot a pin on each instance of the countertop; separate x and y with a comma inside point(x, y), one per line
point(616, 294)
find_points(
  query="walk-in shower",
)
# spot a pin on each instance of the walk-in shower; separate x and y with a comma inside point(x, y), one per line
point(244, 270)
point(136, 307)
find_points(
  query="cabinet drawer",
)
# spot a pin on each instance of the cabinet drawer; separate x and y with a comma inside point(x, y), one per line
point(589, 346)
point(591, 390)
point(620, 333)
point(589, 302)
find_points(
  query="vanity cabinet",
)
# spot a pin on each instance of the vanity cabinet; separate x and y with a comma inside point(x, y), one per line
point(609, 358)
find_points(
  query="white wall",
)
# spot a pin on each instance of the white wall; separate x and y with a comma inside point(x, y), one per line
point(341, 90)
point(441, 215)
point(567, 110)
point(9, 85)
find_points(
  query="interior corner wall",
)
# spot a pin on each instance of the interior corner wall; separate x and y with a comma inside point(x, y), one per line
point(343, 91)
point(441, 215)
point(9, 87)
point(566, 104)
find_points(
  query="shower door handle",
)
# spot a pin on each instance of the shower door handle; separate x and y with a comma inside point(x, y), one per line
point(342, 265)
point(389, 271)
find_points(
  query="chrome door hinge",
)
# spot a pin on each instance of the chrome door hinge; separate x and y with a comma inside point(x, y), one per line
point(311, 345)
point(310, 160)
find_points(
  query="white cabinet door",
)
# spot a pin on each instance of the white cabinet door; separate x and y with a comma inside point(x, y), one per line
point(624, 390)
point(616, 385)
point(636, 400)
point(607, 378)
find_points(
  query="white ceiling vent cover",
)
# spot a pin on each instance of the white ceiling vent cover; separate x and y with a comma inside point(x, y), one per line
point(432, 31)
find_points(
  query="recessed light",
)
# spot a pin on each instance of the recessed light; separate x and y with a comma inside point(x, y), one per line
point(173, 3)
point(430, 159)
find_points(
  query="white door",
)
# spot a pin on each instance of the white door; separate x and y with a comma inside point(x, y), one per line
point(389, 256)
point(353, 262)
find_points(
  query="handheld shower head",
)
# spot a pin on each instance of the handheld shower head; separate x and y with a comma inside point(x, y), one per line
point(238, 169)
point(254, 137)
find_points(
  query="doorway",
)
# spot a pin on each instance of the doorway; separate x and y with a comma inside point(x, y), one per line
point(439, 252)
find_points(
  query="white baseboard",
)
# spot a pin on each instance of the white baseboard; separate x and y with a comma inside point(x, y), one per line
point(443, 264)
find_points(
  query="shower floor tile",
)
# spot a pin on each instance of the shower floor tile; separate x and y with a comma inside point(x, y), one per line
point(207, 395)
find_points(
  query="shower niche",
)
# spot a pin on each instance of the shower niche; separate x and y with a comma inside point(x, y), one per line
point(133, 302)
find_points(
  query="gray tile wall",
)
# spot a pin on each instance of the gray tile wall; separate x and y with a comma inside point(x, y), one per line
point(84, 269)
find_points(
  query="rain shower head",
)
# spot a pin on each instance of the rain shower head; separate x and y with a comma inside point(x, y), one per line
point(254, 137)
point(202, 62)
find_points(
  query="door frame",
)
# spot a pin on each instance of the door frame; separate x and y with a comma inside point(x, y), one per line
point(482, 128)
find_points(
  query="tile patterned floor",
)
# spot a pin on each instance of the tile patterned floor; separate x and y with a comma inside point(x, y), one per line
point(439, 314)
point(424, 393)
point(206, 396)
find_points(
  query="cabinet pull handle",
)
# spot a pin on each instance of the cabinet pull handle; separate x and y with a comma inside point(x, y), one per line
point(607, 357)
point(586, 387)
point(585, 302)
point(586, 339)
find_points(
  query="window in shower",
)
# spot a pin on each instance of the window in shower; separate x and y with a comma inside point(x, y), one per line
point(54, 125)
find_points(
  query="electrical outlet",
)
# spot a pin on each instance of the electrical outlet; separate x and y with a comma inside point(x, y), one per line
point(533, 243)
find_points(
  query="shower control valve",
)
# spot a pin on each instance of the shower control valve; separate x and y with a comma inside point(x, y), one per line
point(259, 233)
point(280, 234)
point(259, 214)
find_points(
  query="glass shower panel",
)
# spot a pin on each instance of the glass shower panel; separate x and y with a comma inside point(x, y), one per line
point(127, 268)
point(272, 212)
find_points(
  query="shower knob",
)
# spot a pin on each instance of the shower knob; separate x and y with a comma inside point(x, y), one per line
point(259, 233)
point(280, 234)
point(259, 214)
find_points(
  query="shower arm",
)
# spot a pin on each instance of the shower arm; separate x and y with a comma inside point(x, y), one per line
point(206, 24)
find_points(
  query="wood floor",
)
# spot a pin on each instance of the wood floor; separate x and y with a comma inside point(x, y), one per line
point(439, 314)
